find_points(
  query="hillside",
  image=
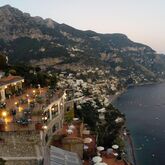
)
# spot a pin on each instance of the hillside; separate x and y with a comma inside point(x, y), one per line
point(29, 39)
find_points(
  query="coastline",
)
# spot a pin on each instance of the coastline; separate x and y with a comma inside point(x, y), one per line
point(129, 146)
point(151, 97)
point(112, 98)
point(130, 149)
point(147, 83)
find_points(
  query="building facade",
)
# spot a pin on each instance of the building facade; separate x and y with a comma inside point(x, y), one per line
point(53, 118)
point(9, 86)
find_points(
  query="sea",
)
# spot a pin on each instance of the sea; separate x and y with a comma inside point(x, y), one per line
point(144, 107)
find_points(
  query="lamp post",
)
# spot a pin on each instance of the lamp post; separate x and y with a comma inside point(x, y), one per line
point(16, 104)
point(39, 88)
point(4, 114)
point(34, 92)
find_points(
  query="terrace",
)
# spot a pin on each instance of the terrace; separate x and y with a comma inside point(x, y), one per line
point(21, 119)
point(26, 111)
point(77, 138)
point(9, 86)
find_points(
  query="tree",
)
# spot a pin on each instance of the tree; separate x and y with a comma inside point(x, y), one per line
point(3, 61)
point(13, 72)
point(120, 142)
point(2, 161)
point(88, 115)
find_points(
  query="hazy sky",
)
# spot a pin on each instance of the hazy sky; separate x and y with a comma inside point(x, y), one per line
point(142, 20)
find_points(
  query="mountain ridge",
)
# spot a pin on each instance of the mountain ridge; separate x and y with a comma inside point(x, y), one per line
point(49, 22)
point(25, 38)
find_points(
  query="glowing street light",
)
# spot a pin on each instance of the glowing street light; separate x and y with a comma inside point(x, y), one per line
point(28, 101)
point(6, 121)
point(4, 114)
point(44, 127)
point(20, 109)
point(45, 118)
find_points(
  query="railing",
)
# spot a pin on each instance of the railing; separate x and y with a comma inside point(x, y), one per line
point(14, 126)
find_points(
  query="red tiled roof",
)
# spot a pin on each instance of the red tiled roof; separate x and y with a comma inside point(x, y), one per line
point(9, 79)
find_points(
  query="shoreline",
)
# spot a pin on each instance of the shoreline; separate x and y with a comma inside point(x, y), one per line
point(117, 95)
point(147, 83)
point(129, 145)
point(130, 149)
point(112, 98)
point(131, 154)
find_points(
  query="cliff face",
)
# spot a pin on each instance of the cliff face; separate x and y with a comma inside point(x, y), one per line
point(15, 24)
point(25, 38)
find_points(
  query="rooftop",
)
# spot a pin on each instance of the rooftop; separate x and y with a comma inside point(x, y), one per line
point(63, 157)
point(89, 147)
point(9, 80)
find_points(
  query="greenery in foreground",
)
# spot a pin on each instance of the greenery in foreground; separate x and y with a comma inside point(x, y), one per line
point(109, 131)
point(2, 161)
point(32, 75)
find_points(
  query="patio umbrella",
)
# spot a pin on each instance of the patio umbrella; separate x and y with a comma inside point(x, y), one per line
point(69, 131)
point(115, 146)
point(100, 163)
point(85, 147)
point(72, 127)
point(78, 106)
point(87, 140)
point(75, 119)
point(86, 132)
point(115, 154)
point(100, 148)
point(109, 150)
point(96, 159)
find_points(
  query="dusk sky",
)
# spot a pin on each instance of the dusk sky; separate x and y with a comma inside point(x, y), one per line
point(141, 20)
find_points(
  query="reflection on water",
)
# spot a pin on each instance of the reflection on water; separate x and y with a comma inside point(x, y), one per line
point(145, 112)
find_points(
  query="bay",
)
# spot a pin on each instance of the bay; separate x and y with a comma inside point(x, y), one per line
point(144, 107)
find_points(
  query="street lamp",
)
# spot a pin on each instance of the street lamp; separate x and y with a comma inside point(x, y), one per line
point(44, 127)
point(4, 114)
point(20, 109)
point(39, 87)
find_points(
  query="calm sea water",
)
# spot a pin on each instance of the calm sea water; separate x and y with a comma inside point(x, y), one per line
point(144, 107)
